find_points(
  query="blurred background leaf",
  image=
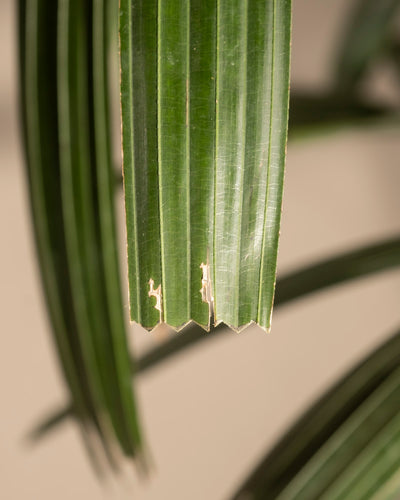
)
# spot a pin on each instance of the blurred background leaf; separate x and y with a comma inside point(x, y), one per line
point(371, 29)
point(64, 94)
point(344, 446)
point(312, 115)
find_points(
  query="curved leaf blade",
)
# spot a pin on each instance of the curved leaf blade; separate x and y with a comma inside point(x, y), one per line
point(341, 440)
point(39, 117)
point(64, 70)
point(366, 35)
point(102, 37)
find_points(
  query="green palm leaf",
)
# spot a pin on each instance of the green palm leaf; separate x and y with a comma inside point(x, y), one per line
point(204, 89)
point(347, 446)
point(63, 54)
point(371, 27)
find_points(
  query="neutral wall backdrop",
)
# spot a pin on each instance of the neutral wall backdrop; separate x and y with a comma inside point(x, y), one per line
point(210, 413)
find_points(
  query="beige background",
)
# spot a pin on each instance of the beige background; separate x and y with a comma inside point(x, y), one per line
point(211, 413)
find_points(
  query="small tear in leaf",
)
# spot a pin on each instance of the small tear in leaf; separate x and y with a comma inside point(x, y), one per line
point(206, 289)
point(158, 295)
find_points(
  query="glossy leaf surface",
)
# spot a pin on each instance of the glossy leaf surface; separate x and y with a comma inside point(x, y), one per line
point(204, 90)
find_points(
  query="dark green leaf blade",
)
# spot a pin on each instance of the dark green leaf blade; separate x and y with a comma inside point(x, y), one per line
point(102, 36)
point(138, 49)
point(73, 51)
point(38, 19)
point(65, 113)
point(344, 267)
point(87, 184)
point(333, 435)
point(313, 114)
point(366, 35)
